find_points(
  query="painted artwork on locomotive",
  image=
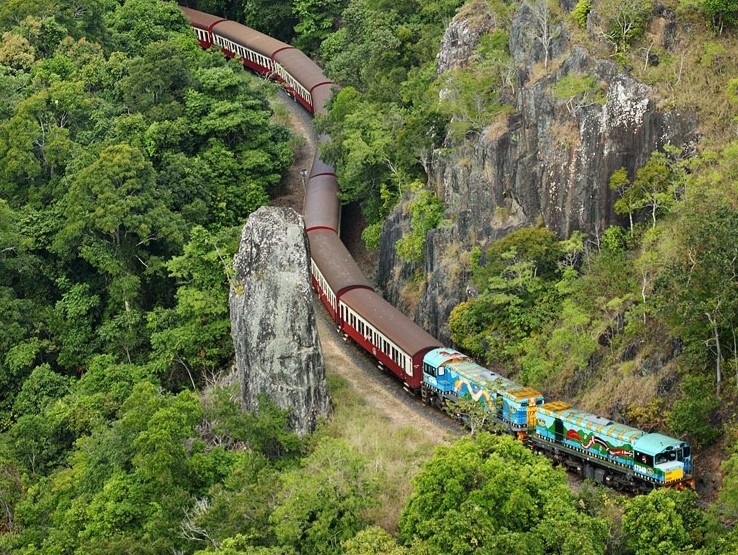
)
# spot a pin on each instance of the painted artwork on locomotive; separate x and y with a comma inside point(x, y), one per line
point(653, 456)
point(448, 373)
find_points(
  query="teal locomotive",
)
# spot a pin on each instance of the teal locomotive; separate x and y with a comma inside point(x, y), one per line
point(596, 448)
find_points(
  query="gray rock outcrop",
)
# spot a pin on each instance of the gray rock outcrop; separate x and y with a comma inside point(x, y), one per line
point(273, 324)
point(549, 163)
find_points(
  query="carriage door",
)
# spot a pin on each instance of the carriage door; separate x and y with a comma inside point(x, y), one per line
point(558, 430)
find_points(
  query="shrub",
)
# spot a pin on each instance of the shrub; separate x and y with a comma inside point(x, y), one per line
point(581, 11)
point(691, 414)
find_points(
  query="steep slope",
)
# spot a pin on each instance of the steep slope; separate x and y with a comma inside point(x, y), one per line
point(548, 161)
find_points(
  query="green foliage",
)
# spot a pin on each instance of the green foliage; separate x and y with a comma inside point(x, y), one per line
point(475, 415)
point(323, 502)
point(83, 19)
point(274, 18)
point(124, 165)
point(372, 234)
point(470, 101)
point(157, 80)
point(16, 52)
point(315, 21)
point(732, 91)
point(695, 292)
point(140, 23)
point(75, 323)
point(491, 493)
point(269, 431)
point(426, 211)
point(193, 338)
point(581, 11)
point(722, 13)
point(363, 148)
point(691, 415)
point(124, 484)
point(624, 22)
point(517, 278)
point(579, 91)
point(729, 491)
point(471, 97)
point(40, 389)
point(108, 161)
point(664, 521)
point(537, 245)
point(387, 118)
point(567, 349)
point(373, 541)
point(626, 204)
point(239, 506)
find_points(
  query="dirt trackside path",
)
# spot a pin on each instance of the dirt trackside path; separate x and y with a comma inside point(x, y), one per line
point(379, 388)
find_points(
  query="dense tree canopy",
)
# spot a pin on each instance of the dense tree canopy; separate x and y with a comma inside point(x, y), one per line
point(128, 157)
point(493, 494)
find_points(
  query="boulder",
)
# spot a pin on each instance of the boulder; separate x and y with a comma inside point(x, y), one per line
point(273, 324)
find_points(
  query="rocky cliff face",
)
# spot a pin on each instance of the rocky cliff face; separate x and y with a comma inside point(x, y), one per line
point(549, 163)
point(272, 319)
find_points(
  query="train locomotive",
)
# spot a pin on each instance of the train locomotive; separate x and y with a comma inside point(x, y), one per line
point(605, 451)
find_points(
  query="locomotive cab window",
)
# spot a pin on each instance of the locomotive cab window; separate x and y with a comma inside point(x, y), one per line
point(643, 458)
point(666, 456)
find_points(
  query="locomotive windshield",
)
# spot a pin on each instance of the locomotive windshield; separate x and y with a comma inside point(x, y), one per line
point(674, 454)
point(666, 456)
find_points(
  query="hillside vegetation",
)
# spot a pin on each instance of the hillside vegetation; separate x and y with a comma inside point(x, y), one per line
point(128, 160)
point(637, 321)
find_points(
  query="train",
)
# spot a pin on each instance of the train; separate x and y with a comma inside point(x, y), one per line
point(607, 452)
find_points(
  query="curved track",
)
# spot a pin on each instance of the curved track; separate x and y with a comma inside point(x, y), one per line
point(343, 358)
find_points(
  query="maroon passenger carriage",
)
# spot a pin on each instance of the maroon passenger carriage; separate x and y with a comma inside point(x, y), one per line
point(265, 55)
point(387, 334)
point(394, 340)
point(203, 24)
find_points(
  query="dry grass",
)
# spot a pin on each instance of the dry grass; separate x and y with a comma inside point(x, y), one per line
point(695, 77)
point(396, 454)
point(497, 128)
point(456, 260)
point(620, 387)
point(692, 76)
point(539, 70)
point(411, 292)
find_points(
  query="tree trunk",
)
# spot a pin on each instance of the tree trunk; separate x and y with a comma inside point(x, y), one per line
point(718, 369)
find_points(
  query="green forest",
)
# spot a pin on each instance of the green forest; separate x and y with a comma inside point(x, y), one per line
point(130, 158)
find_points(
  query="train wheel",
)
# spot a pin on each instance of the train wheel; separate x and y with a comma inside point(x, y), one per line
point(426, 397)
